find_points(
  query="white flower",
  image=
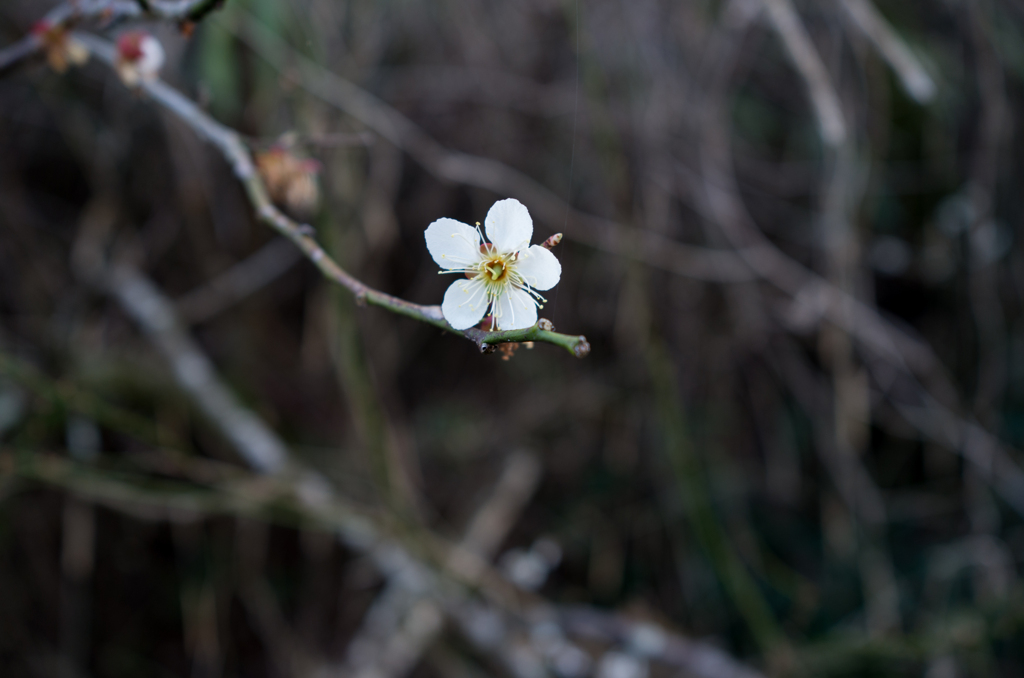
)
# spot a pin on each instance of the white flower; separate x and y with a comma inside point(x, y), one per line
point(139, 57)
point(503, 274)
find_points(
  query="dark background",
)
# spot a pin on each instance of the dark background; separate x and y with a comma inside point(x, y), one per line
point(816, 486)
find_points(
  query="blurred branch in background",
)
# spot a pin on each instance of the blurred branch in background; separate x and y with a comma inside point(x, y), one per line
point(405, 628)
point(404, 620)
point(463, 168)
point(239, 282)
point(890, 45)
point(805, 59)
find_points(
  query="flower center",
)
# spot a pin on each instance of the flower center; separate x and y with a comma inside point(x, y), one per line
point(495, 270)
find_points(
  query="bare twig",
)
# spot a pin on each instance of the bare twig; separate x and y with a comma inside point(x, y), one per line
point(283, 648)
point(189, 10)
point(890, 343)
point(259, 445)
point(404, 622)
point(647, 639)
point(987, 455)
point(154, 314)
point(238, 282)
point(493, 521)
point(995, 128)
point(12, 55)
point(79, 401)
point(897, 349)
point(409, 615)
point(240, 494)
point(807, 62)
point(893, 49)
point(235, 152)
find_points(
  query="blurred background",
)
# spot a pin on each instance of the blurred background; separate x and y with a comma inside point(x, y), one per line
point(790, 238)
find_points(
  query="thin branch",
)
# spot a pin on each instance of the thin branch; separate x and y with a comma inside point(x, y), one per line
point(235, 492)
point(75, 399)
point(987, 455)
point(230, 144)
point(403, 623)
point(884, 340)
point(890, 345)
point(506, 501)
point(808, 64)
point(12, 55)
point(866, 17)
point(71, 13)
point(695, 658)
point(438, 570)
point(153, 312)
point(238, 282)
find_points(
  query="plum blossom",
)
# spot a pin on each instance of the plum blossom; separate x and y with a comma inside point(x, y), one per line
point(503, 275)
point(139, 57)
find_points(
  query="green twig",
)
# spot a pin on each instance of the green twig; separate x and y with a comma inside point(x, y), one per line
point(542, 331)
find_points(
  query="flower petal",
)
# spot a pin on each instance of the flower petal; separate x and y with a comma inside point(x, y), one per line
point(465, 303)
point(509, 225)
point(515, 310)
point(152, 59)
point(453, 244)
point(539, 268)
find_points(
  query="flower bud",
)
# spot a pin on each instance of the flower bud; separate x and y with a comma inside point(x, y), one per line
point(551, 242)
point(139, 57)
point(62, 50)
point(291, 181)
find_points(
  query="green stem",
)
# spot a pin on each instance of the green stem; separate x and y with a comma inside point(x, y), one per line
point(488, 341)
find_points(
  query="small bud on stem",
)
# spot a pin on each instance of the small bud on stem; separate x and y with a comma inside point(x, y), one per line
point(62, 50)
point(139, 57)
point(291, 179)
point(550, 243)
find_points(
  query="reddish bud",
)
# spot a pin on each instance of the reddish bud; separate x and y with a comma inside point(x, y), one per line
point(552, 241)
point(129, 45)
